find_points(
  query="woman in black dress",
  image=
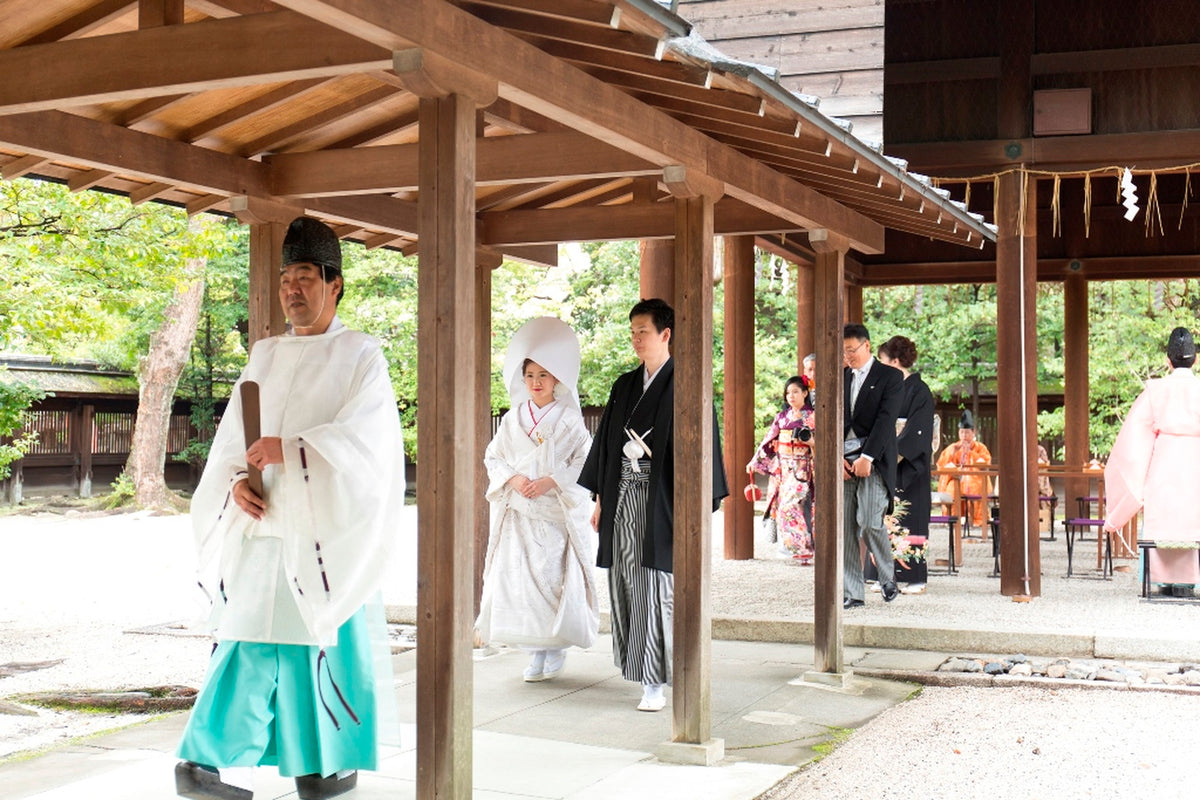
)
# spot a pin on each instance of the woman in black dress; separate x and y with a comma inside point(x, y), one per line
point(914, 442)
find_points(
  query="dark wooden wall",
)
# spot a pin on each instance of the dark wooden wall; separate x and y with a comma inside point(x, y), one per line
point(1139, 58)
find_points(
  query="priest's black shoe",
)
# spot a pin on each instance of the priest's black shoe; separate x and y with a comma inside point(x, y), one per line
point(198, 782)
point(890, 591)
point(314, 787)
point(850, 602)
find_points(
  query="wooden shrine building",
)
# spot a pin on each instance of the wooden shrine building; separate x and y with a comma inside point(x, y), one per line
point(1031, 113)
point(467, 131)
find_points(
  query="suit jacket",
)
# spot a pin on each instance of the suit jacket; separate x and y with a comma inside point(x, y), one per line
point(873, 418)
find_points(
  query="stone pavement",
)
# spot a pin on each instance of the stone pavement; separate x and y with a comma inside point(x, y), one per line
point(579, 736)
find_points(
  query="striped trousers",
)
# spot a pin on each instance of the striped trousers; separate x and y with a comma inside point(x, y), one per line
point(642, 599)
point(865, 504)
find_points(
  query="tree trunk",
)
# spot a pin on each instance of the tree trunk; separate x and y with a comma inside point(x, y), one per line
point(158, 376)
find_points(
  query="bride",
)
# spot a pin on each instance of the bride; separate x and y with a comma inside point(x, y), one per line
point(538, 589)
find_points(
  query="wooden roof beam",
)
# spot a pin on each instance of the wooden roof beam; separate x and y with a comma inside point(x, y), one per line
point(567, 30)
point(538, 81)
point(204, 203)
point(57, 135)
point(398, 125)
point(541, 255)
point(1112, 268)
point(665, 70)
point(383, 214)
point(153, 13)
point(531, 158)
point(222, 9)
point(82, 181)
point(578, 10)
point(1155, 149)
point(605, 223)
point(261, 104)
point(280, 138)
point(509, 115)
point(177, 59)
point(151, 191)
point(96, 15)
point(21, 166)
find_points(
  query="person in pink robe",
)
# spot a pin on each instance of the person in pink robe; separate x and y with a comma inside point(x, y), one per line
point(1155, 465)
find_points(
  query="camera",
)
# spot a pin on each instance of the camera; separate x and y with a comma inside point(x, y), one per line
point(805, 434)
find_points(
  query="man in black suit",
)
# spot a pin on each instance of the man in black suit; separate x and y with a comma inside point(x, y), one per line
point(873, 394)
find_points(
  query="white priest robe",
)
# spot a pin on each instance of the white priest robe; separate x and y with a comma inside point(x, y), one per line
point(1154, 464)
point(539, 591)
point(318, 554)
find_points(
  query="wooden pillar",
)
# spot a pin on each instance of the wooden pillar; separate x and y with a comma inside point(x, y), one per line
point(483, 410)
point(268, 221)
point(805, 294)
point(854, 304)
point(87, 424)
point(739, 392)
point(1076, 401)
point(826, 323)
point(156, 13)
point(691, 349)
point(448, 369)
point(1014, 29)
point(657, 261)
point(75, 446)
point(1016, 368)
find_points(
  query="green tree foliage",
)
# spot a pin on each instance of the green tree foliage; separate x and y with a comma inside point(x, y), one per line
point(88, 275)
point(15, 400)
point(954, 328)
point(381, 299)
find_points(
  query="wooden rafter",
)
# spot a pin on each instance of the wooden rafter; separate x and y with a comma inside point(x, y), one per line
point(674, 71)
point(584, 11)
point(180, 58)
point(565, 30)
point(264, 103)
point(56, 134)
point(86, 21)
point(544, 84)
point(279, 138)
point(532, 158)
point(636, 221)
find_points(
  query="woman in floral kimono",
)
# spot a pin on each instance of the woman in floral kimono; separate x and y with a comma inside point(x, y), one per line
point(538, 589)
point(786, 454)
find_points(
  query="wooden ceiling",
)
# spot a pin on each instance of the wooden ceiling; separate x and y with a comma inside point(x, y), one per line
point(210, 104)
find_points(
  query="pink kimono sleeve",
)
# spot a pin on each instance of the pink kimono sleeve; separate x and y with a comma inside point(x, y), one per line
point(1129, 463)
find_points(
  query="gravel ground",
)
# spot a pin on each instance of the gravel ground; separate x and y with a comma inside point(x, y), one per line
point(74, 588)
point(1018, 743)
point(100, 593)
point(775, 586)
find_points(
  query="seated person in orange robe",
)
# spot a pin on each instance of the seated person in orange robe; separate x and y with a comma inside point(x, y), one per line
point(967, 452)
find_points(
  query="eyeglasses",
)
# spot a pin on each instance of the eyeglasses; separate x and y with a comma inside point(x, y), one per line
point(853, 350)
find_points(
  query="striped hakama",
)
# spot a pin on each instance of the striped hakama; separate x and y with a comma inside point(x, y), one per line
point(642, 599)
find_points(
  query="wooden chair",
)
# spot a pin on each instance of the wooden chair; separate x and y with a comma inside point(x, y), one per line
point(950, 523)
point(1052, 501)
point(1074, 527)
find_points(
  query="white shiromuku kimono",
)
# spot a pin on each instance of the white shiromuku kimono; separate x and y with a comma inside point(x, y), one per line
point(1155, 463)
point(538, 588)
point(332, 507)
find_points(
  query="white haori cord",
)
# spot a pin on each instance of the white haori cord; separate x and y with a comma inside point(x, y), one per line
point(635, 447)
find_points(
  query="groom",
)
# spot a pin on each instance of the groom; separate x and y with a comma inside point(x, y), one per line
point(873, 394)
